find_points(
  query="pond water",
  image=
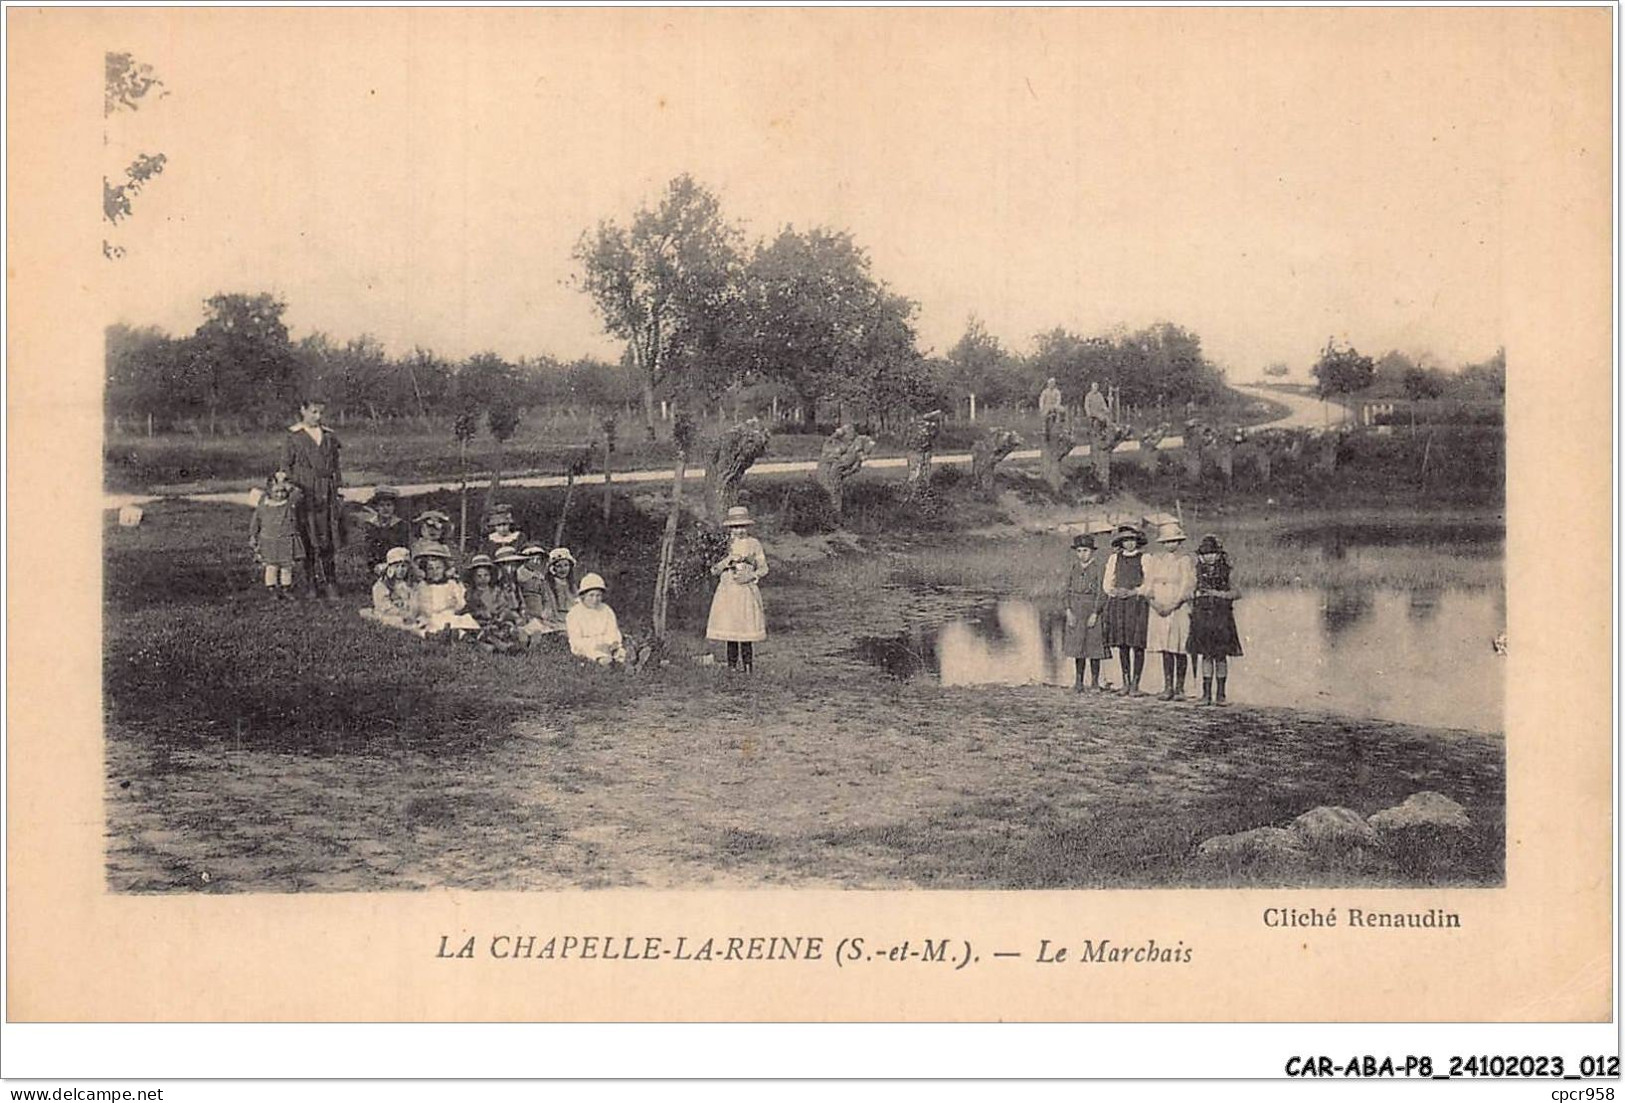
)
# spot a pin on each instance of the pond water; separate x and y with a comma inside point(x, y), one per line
point(1419, 656)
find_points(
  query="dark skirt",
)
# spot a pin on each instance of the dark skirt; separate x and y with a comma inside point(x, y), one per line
point(1125, 621)
point(1083, 642)
point(1213, 628)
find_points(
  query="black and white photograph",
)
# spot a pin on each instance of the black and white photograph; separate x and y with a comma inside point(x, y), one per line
point(1112, 507)
point(576, 456)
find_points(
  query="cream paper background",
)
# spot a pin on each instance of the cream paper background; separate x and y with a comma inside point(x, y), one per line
point(1538, 949)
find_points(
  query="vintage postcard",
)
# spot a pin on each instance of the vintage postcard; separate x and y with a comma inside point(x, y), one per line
point(810, 514)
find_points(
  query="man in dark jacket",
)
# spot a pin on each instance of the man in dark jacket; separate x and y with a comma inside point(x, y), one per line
point(310, 456)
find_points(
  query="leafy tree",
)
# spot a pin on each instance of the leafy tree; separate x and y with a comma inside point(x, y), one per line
point(128, 83)
point(1342, 370)
point(502, 418)
point(239, 358)
point(1487, 378)
point(429, 377)
point(145, 372)
point(1277, 370)
point(979, 367)
point(665, 284)
point(813, 318)
point(1421, 384)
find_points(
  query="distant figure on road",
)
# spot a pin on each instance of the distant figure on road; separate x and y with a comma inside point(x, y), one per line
point(1095, 406)
point(1049, 399)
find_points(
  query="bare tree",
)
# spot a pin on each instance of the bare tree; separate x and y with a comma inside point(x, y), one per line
point(922, 440)
point(839, 459)
point(726, 462)
point(988, 452)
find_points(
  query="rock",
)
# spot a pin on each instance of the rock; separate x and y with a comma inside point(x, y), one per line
point(1426, 837)
point(1258, 845)
point(1422, 810)
point(130, 516)
point(1333, 828)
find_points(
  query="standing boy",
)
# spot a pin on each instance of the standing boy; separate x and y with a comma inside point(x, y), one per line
point(310, 456)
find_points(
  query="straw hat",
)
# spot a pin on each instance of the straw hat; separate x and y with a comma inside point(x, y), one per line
point(1128, 532)
point(533, 549)
point(560, 554)
point(590, 583)
point(481, 560)
point(384, 494)
point(433, 550)
point(397, 555)
point(738, 517)
point(1170, 532)
point(1083, 540)
point(432, 515)
point(510, 555)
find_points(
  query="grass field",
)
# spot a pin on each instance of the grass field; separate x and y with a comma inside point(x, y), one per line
point(254, 746)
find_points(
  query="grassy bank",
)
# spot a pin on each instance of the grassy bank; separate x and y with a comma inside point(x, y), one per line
point(296, 748)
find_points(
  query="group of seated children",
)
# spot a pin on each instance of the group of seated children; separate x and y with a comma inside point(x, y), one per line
point(518, 594)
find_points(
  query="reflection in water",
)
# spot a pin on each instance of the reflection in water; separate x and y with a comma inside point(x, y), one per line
point(1342, 608)
point(1422, 658)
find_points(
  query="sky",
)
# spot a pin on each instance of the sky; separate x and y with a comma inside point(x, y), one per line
point(1268, 178)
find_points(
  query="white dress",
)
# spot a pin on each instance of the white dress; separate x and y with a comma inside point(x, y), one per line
point(1168, 578)
point(439, 604)
point(594, 633)
point(736, 608)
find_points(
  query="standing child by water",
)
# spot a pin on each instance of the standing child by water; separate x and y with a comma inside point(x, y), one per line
point(1126, 606)
point(1170, 582)
point(273, 534)
point(1085, 639)
point(1213, 620)
point(394, 595)
point(737, 617)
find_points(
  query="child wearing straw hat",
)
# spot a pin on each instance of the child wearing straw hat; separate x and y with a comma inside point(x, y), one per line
point(1170, 583)
point(1126, 606)
point(591, 625)
point(1213, 637)
point(737, 617)
point(434, 529)
point(441, 598)
point(1085, 639)
point(500, 531)
point(394, 594)
point(493, 605)
point(547, 585)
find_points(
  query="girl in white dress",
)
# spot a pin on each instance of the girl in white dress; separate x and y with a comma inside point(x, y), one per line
point(736, 617)
point(1170, 583)
point(441, 598)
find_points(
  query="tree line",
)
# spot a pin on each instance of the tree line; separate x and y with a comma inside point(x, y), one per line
point(797, 320)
